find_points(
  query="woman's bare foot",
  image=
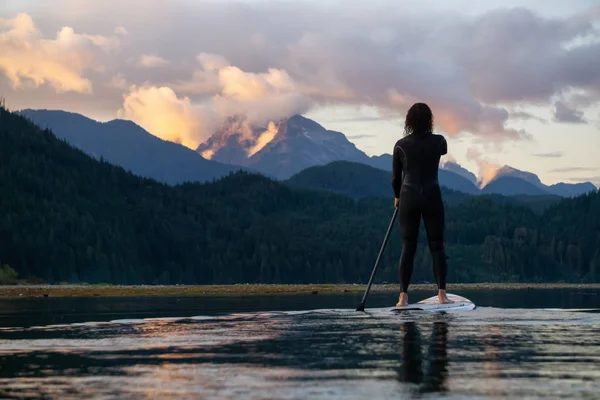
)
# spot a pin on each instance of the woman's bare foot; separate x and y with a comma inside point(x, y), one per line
point(403, 300)
point(443, 298)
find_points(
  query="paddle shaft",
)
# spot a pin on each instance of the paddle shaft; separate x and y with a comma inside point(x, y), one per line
point(361, 306)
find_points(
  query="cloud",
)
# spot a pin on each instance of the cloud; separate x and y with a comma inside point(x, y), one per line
point(118, 82)
point(448, 158)
point(515, 55)
point(522, 115)
point(151, 61)
point(563, 113)
point(30, 60)
point(119, 30)
point(263, 139)
point(361, 136)
point(260, 96)
point(161, 112)
point(472, 68)
point(572, 169)
point(487, 170)
point(555, 154)
point(356, 118)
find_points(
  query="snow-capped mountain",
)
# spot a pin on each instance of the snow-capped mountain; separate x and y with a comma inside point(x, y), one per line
point(280, 149)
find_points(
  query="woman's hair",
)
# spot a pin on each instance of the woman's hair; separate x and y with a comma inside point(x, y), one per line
point(419, 120)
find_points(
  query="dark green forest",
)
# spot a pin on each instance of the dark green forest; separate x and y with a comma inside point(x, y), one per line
point(360, 180)
point(67, 217)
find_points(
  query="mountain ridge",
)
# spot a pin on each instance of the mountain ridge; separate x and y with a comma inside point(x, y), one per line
point(69, 217)
point(280, 149)
point(359, 180)
point(124, 143)
point(506, 180)
point(277, 151)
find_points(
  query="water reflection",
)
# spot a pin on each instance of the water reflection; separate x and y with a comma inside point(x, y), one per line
point(314, 354)
point(428, 373)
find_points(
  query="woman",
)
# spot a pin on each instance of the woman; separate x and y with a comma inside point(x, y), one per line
point(418, 193)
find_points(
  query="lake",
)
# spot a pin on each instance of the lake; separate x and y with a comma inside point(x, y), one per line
point(516, 344)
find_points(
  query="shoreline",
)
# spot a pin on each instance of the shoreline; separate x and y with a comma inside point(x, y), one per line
point(28, 291)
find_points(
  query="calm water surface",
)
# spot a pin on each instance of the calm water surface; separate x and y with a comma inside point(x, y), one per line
point(516, 344)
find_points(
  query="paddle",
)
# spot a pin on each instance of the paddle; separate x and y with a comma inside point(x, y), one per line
point(361, 306)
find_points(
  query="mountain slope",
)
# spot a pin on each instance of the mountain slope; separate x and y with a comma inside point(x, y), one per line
point(448, 178)
point(356, 180)
point(383, 161)
point(520, 182)
point(510, 172)
point(523, 182)
point(510, 186)
point(65, 216)
point(571, 189)
point(458, 169)
point(280, 150)
point(128, 145)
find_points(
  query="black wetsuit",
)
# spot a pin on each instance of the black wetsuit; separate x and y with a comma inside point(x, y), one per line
point(418, 156)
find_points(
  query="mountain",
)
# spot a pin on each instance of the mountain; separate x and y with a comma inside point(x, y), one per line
point(571, 189)
point(65, 216)
point(510, 185)
point(511, 181)
point(281, 149)
point(455, 181)
point(507, 171)
point(508, 181)
point(383, 161)
point(278, 151)
point(447, 177)
point(357, 180)
point(458, 169)
point(128, 145)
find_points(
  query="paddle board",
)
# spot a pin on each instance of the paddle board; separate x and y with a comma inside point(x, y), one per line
point(432, 304)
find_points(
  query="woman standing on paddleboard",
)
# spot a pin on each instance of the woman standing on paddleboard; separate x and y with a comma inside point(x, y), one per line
point(417, 194)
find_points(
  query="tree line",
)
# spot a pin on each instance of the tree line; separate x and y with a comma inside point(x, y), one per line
point(65, 216)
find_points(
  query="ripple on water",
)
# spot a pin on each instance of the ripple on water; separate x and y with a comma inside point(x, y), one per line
point(328, 353)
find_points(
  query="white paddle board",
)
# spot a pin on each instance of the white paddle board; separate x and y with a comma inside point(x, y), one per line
point(433, 304)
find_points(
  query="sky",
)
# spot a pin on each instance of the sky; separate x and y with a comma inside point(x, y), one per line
point(509, 82)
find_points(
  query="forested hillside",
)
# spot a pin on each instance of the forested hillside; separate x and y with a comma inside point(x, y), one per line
point(67, 217)
point(359, 180)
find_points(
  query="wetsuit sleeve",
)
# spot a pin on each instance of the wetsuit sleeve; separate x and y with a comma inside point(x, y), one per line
point(443, 146)
point(396, 172)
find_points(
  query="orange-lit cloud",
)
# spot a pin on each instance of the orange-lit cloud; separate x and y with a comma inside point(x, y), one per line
point(471, 68)
point(264, 139)
point(261, 97)
point(487, 170)
point(161, 112)
point(29, 60)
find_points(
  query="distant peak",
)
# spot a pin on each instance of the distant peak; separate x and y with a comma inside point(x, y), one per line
point(122, 122)
point(508, 169)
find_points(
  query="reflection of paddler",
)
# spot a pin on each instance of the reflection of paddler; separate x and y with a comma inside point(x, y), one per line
point(411, 368)
point(492, 343)
point(430, 372)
